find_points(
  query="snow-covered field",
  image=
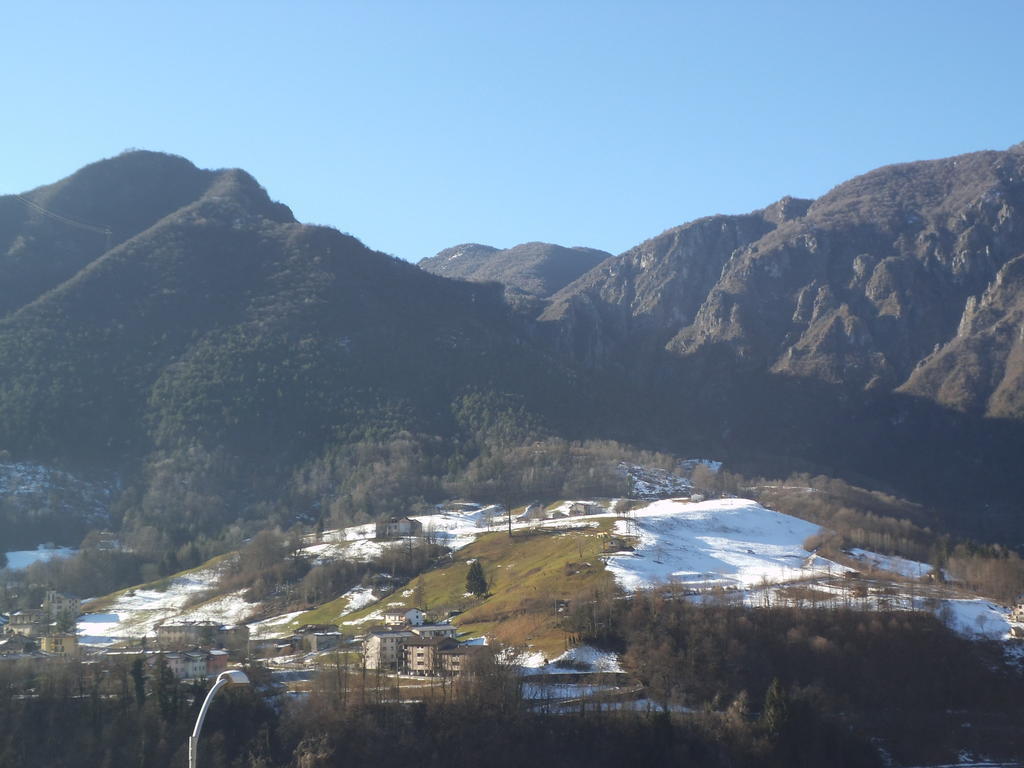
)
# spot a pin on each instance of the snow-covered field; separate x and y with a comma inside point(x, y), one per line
point(136, 613)
point(581, 659)
point(25, 557)
point(976, 618)
point(722, 543)
point(910, 569)
point(274, 626)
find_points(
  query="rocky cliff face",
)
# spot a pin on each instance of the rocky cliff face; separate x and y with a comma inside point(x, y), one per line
point(655, 288)
point(981, 369)
point(854, 289)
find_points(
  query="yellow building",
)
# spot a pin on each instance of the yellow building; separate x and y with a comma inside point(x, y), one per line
point(59, 645)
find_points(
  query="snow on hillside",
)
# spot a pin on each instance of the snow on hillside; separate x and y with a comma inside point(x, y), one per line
point(456, 529)
point(274, 626)
point(24, 558)
point(732, 543)
point(231, 608)
point(578, 660)
point(910, 569)
point(976, 618)
point(137, 612)
point(651, 482)
point(726, 542)
point(35, 484)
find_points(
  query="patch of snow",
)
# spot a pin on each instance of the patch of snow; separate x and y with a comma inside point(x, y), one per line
point(24, 558)
point(98, 629)
point(140, 611)
point(651, 482)
point(355, 543)
point(562, 691)
point(534, 660)
point(581, 655)
point(226, 609)
point(456, 529)
point(359, 598)
point(565, 506)
point(376, 617)
point(911, 569)
point(724, 543)
point(36, 485)
point(274, 626)
point(570, 523)
point(976, 618)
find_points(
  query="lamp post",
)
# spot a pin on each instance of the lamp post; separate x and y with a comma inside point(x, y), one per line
point(229, 677)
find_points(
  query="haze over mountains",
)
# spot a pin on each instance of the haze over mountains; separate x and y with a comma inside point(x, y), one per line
point(874, 332)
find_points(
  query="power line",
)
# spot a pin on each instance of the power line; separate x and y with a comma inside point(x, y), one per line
point(66, 220)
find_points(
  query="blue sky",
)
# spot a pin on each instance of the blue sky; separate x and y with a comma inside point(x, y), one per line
point(420, 125)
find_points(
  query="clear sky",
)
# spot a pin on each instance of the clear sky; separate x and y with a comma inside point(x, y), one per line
point(420, 125)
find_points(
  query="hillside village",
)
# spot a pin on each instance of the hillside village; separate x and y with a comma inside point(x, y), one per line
point(729, 549)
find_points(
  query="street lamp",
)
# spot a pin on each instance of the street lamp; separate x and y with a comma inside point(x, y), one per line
point(230, 677)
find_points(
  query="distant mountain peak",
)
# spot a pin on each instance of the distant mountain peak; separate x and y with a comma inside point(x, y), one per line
point(470, 250)
point(535, 269)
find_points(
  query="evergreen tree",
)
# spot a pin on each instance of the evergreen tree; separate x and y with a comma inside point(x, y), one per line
point(139, 679)
point(476, 581)
point(776, 709)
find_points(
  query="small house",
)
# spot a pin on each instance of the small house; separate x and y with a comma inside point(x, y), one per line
point(1017, 612)
point(400, 617)
point(534, 511)
point(319, 637)
point(397, 527)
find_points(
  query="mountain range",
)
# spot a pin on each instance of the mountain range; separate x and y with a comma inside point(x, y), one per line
point(150, 310)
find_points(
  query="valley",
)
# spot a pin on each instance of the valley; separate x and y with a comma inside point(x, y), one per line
point(397, 493)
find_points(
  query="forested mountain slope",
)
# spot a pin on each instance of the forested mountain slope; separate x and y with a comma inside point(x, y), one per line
point(178, 328)
point(875, 330)
point(221, 328)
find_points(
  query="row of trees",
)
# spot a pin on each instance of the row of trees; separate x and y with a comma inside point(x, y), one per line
point(889, 673)
point(135, 714)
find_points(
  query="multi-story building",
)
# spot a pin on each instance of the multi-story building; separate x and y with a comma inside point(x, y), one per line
point(59, 644)
point(31, 622)
point(57, 605)
point(382, 647)
point(454, 661)
point(422, 654)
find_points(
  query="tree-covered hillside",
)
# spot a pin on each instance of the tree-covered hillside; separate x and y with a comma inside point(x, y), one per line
point(226, 345)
